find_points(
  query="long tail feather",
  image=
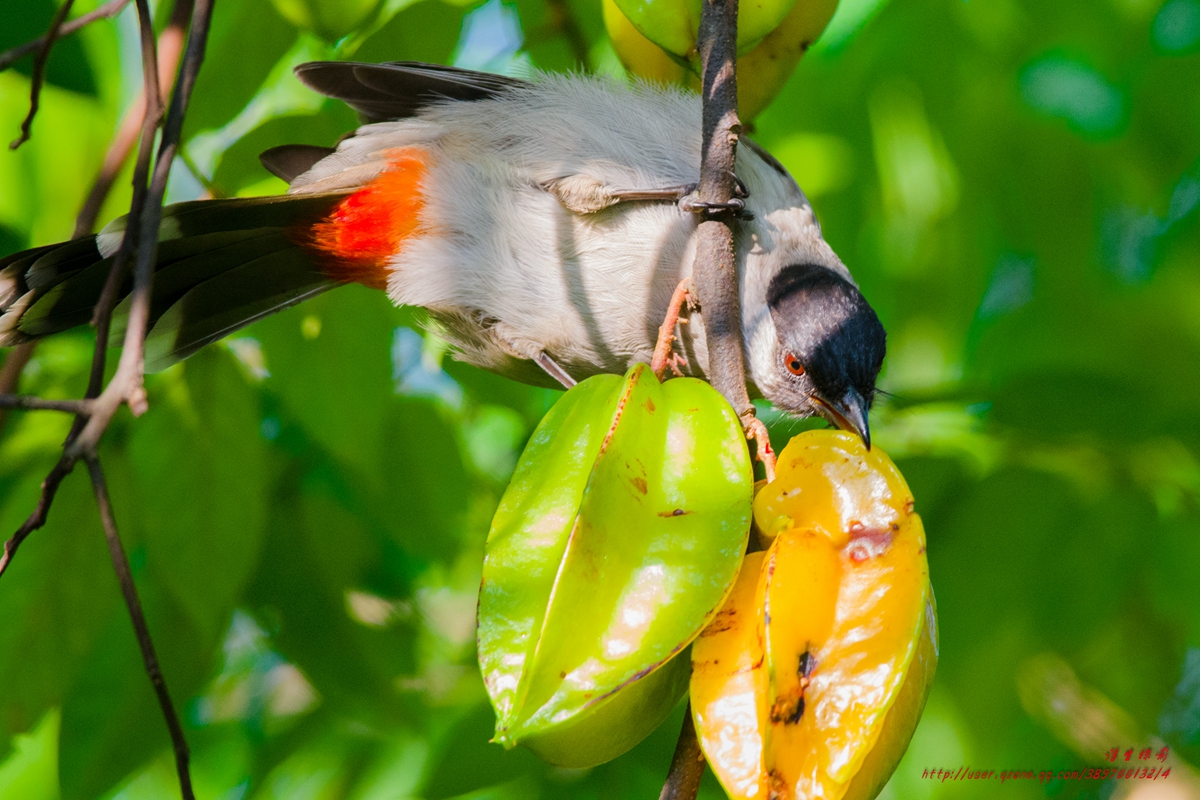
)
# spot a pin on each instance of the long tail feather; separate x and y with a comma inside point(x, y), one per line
point(220, 265)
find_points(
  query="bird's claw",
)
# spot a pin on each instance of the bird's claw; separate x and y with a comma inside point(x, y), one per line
point(735, 207)
point(756, 432)
point(676, 360)
point(664, 356)
point(739, 188)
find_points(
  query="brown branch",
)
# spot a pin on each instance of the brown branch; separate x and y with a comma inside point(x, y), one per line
point(39, 74)
point(27, 403)
point(715, 279)
point(687, 765)
point(109, 9)
point(715, 272)
point(71, 454)
point(107, 301)
point(138, 618)
point(126, 386)
point(38, 518)
point(170, 48)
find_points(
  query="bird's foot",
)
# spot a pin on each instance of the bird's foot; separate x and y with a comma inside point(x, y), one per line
point(686, 198)
point(735, 207)
point(756, 432)
point(551, 368)
point(663, 355)
point(677, 360)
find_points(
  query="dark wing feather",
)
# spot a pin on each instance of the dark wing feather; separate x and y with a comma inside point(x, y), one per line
point(230, 300)
point(399, 89)
point(220, 264)
point(289, 161)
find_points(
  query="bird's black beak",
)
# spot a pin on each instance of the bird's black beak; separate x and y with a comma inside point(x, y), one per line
point(849, 413)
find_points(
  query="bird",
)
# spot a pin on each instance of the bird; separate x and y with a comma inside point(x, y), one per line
point(545, 226)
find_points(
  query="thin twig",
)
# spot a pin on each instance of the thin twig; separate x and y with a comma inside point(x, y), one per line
point(104, 311)
point(715, 279)
point(27, 403)
point(109, 9)
point(126, 385)
point(687, 765)
point(39, 74)
point(107, 301)
point(715, 272)
point(138, 618)
point(170, 48)
point(38, 518)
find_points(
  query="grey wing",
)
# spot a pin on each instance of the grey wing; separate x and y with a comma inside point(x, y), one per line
point(399, 89)
point(378, 92)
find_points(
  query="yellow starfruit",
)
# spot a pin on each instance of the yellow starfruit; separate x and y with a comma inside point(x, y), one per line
point(810, 681)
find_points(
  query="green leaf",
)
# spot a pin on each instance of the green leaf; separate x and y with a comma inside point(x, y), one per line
point(329, 19)
point(424, 480)
point(31, 770)
point(330, 367)
point(424, 31)
point(615, 543)
point(239, 166)
point(58, 598)
point(316, 551)
point(248, 37)
point(201, 484)
point(69, 68)
point(111, 720)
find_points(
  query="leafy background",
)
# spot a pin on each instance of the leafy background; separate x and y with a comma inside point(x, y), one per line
point(1014, 183)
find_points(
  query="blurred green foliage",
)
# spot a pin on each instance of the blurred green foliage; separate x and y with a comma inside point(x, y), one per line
point(1015, 185)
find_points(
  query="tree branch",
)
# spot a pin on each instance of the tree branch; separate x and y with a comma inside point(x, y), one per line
point(126, 385)
point(141, 238)
point(109, 9)
point(39, 73)
point(138, 618)
point(27, 403)
point(687, 765)
point(715, 272)
point(715, 279)
point(150, 119)
point(170, 48)
point(104, 307)
point(38, 518)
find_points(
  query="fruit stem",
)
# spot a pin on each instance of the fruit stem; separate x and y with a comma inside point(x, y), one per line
point(687, 765)
point(715, 279)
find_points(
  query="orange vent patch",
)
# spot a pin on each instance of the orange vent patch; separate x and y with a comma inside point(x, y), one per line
point(367, 228)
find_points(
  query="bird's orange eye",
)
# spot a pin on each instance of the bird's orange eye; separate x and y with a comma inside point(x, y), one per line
point(793, 364)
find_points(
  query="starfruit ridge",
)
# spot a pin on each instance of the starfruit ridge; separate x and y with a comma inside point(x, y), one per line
point(681, 474)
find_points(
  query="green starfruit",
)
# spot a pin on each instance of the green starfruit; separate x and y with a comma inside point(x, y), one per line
point(674, 24)
point(614, 545)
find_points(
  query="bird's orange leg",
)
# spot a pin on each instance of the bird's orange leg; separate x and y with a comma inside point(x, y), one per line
point(663, 355)
point(756, 432)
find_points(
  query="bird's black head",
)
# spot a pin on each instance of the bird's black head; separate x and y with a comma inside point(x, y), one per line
point(830, 347)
